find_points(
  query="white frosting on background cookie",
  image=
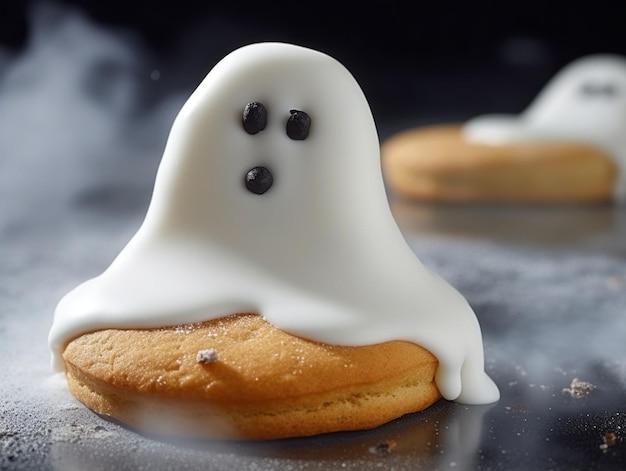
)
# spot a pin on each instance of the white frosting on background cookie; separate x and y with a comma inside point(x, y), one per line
point(585, 102)
point(318, 254)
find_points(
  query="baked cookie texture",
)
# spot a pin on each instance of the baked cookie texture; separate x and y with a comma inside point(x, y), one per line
point(438, 163)
point(254, 381)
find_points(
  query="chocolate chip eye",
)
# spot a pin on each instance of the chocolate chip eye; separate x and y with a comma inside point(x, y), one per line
point(298, 125)
point(254, 117)
point(258, 180)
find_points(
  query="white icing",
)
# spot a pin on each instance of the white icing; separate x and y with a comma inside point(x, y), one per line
point(318, 255)
point(585, 102)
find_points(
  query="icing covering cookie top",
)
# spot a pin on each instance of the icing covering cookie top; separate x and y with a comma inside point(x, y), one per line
point(269, 199)
point(585, 102)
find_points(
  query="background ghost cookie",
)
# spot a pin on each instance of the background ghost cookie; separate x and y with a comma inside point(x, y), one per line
point(569, 145)
point(267, 202)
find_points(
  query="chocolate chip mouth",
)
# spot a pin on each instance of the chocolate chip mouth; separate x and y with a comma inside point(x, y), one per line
point(258, 180)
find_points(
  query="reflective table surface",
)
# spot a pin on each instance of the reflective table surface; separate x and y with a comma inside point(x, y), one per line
point(547, 283)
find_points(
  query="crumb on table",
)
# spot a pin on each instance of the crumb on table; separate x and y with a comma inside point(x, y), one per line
point(578, 388)
point(383, 448)
point(608, 439)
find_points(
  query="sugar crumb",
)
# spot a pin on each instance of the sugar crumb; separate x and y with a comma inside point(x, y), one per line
point(207, 356)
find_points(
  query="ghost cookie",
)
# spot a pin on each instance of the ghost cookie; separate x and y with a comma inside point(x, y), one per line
point(568, 146)
point(268, 292)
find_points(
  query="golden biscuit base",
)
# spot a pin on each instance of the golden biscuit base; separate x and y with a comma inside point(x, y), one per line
point(239, 377)
point(438, 163)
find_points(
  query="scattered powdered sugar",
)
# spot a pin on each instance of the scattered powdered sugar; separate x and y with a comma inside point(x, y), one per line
point(185, 328)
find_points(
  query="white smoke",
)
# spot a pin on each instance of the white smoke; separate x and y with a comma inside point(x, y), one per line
point(73, 112)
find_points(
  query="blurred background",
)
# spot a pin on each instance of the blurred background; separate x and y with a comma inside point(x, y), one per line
point(420, 61)
point(89, 89)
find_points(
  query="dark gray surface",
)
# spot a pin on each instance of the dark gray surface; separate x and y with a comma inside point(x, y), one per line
point(550, 299)
point(548, 284)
